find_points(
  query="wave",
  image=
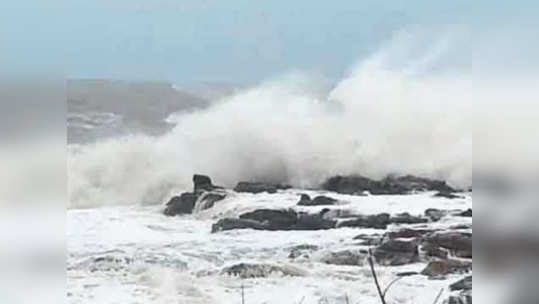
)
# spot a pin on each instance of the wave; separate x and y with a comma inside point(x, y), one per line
point(399, 111)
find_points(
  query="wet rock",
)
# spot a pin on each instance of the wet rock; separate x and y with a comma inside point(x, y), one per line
point(435, 214)
point(464, 297)
point(356, 184)
point(447, 194)
point(273, 219)
point(407, 218)
point(444, 267)
point(202, 183)
point(397, 252)
point(432, 250)
point(303, 250)
point(182, 204)
point(378, 221)
point(368, 240)
point(232, 223)
point(256, 187)
point(207, 200)
point(467, 213)
point(248, 270)
point(344, 257)
point(459, 243)
point(320, 200)
point(409, 233)
point(313, 222)
point(407, 273)
point(464, 284)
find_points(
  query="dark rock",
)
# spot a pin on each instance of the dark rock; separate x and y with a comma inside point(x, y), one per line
point(407, 273)
point(467, 213)
point(202, 183)
point(369, 240)
point(445, 194)
point(232, 223)
point(356, 184)
point(247, 270)
point(181, 204)
point(255, 187)
point(207, 200)
point(435, 214)
point(406, 218)
point(459, 243)
point(301, 251)
point(397, 252)
point(464, 297)
point(313, 222)
point(432, 250)
point(464, 284)
point(344, 257)
point(320, 200)
point(408, 233)
point(379, 221)
point(273, 219)
point(445, 267)
point(304, 199)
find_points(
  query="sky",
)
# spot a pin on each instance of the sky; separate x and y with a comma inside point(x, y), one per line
point(236, 41)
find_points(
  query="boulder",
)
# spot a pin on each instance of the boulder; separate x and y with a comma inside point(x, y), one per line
point(303, 250)
point(207, 200)
point(273, 219)
point(255, 187)
point(447, 194)
point(232, 223)
point(181, 204)
point(407, 218)
point(313, 222)
point(397, 252)
point(202, 183)
point(249, 270)
point(444, 267)
point(304, 199)
point(458, 243)
point(320, 200)
point(464, 284)
point(467, 213)
point(435, 214)
point(378, 221)
point(408, 233)
point(344, 257)
point(357, 184)
point(464, 297)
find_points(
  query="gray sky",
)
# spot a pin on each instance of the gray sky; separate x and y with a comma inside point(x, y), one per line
point(235, 41)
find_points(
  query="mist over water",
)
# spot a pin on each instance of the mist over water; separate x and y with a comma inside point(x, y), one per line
point(406, 109)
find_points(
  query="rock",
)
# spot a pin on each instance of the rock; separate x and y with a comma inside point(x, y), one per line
point(313, 222)
point(406, 218)
point(255, 187)
point(344, 257)
point(467, 213)
point(464, 297)
point(304, 199)
point(379, 221)
point(202, 183)
point(301, 251)
point(397, 252)
point(432, 250)
point(408, 233)
point(232, 223)
point(447, 194)
point(407, 273)
point(181, 204)
point(273, 219)
point(459, 243)
point(415, 183)
point(320, 200)
point(444, 267)
point(248, 270)
point(435, 214)
point(207, 200)
point(357, 184)
point(464, 284)
point(369, 240)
